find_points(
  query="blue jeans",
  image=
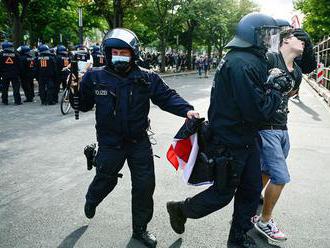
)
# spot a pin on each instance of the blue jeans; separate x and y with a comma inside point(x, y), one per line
point(274, 149)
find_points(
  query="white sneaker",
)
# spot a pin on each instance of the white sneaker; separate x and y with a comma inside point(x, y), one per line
point(270, 230)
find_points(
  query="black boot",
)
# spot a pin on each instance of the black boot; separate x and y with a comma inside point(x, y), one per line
point(89, 210)
point(239, 239)
point(177, 219)
point(147, 238)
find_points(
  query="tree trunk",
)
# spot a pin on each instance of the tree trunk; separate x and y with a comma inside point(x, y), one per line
point(162, 52)
point(118, 14)
point(209, 49)
point(189, 49)
point(17, 36)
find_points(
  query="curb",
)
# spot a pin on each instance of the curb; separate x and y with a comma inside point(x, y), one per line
point(322, 91)
point(177, 74)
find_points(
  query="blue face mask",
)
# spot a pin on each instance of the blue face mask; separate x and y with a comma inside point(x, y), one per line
point(120, 59)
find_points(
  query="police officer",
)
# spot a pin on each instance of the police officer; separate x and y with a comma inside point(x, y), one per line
point(98, 57)
point(9, 72)
point(63, 60)
point(238, 104)
point(121, 92)
point(47, 74)
point(27, 71)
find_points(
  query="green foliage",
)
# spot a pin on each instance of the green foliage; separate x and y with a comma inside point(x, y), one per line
point(317, 18)
point(4, 23)
point(198, 24)
point(48, 19)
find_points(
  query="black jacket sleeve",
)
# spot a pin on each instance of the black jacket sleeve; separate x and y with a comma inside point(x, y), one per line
point(254, 104)
point(86, 93)
point(168, 99)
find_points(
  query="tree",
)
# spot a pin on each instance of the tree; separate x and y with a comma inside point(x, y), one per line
point(191, 14)
point(317, 20)
point(113, 11)
point(60, 17)
point(4, 23)
point(17, 11)
point(159, 17)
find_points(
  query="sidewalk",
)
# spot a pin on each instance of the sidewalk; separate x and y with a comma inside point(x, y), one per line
point(322, 91)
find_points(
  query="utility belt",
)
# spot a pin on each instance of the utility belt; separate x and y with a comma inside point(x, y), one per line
point(273, 127)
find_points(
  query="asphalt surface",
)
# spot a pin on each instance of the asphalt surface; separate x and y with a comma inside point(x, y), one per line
point(43, 180)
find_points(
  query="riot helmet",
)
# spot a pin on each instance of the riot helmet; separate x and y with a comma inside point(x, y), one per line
point(61, 50)
point(254, 30)
point(95, 49)
point(24, 50)
point(8, 46)
point(283, 24)
point(81, 49)
point(43, 48)
point(120, 38)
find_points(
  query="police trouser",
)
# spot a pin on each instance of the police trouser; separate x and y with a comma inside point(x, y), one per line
point(61, 81)
point(63, 78)
point(109, 161)
point(16, 86)
point(28, 87)
point(46, 90)
point(246, 193)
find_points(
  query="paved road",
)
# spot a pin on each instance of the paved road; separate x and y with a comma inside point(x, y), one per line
point(43, 180)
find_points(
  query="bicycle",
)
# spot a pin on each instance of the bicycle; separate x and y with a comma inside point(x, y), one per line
point(65, 104)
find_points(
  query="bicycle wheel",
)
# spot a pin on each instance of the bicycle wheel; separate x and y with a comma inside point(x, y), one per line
point(65, 103)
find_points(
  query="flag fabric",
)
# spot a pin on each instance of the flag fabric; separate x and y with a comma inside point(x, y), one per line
point(183, 151)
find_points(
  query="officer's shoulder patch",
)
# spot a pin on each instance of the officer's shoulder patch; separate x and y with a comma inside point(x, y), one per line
point(221, 64)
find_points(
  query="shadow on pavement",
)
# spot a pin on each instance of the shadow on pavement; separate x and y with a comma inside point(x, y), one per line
point(73, 237)
point(307, 109)
point(136, 244)
point(176, 244)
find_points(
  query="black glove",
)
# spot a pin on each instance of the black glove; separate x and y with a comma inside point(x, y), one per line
point(303, 36)
point(279, 80)
point(307, 61)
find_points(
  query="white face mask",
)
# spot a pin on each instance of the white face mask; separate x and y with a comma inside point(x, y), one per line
point(115, 59)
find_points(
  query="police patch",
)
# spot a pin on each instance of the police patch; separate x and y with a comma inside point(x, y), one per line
point(222, 62)
point(101, 92)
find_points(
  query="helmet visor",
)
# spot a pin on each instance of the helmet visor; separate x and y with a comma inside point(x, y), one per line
point(268, 38)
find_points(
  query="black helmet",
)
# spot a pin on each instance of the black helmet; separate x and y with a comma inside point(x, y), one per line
point(283, 24)
point(254, 30)
point(121, 38)
point(8, 46)
point(43, 48)
point(95, 49)
point(61, 50)
point(24, 49)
